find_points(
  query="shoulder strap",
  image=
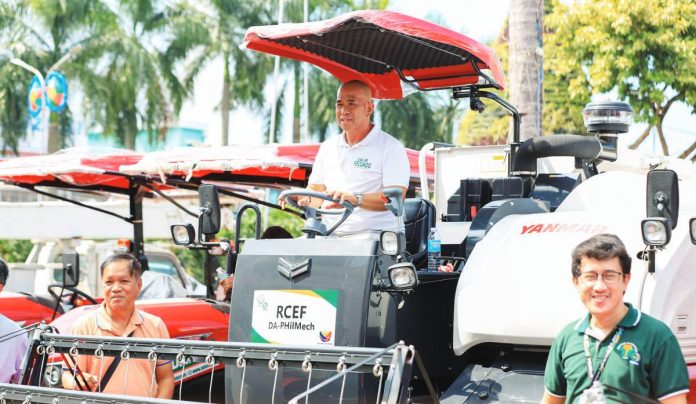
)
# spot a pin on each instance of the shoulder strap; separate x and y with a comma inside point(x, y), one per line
point(110, 371)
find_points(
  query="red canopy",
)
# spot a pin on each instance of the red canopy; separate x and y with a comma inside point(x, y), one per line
point(107, 169)
point(79, 167)
point(384, 49)
point(250, 164)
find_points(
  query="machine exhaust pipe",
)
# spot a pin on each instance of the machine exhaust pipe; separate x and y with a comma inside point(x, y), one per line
point(605, 119)
point(578, 146)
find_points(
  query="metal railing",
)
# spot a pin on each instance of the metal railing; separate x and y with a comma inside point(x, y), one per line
point(14, 393)
point(392, 365)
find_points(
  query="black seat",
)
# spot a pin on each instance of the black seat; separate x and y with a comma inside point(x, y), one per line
point(419, 218)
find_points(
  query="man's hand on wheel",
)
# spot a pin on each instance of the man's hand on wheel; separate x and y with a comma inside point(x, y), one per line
point(341, 197)
point(301, 201)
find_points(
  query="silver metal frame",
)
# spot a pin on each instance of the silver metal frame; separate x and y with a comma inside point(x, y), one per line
point(10, 393)
point(398, 359)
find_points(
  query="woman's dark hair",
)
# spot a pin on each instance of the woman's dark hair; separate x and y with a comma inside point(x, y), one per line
point(4, 272)
point(601, 247)
point(133, 263)
point(276, 232)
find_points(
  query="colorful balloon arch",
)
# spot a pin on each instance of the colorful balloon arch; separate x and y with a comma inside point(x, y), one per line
point(56, 92)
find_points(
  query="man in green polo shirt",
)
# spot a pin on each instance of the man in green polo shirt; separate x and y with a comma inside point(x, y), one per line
point(630, 353)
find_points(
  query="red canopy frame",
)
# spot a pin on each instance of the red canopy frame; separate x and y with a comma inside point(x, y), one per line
point(269, 165)
point(96, 169)
point(384, 49)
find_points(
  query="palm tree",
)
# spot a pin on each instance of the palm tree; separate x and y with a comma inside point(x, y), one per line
point(40, 33)
point(294, 12)
point(129, 86)
point(526, 63)
point(13, 110)
point(322, 99)
point(116, 67)
point(203, 32)
point(410, 119)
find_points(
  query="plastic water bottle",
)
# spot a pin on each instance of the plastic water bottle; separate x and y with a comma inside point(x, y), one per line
point(434, 250)
point(221, 273)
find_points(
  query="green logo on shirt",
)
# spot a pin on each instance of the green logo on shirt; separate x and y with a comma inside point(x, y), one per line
point(629, 352)
point(362, 163)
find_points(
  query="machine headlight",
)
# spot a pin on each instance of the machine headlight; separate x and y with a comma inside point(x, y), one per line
point(389, 242)
point(607, 117)
point(692, 229)
point(656, 231)
point(392, 243)
point(403, 275)
point(52, 375)
point(183, 234)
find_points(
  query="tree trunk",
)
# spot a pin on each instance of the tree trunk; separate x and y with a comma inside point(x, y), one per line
point(53, 143)
point(130, 130)
point(225, 102)
point(129, 139)
point(663, 142)
point(296, 108)
point(688, 151)
point(526, 61)
point(641, 138)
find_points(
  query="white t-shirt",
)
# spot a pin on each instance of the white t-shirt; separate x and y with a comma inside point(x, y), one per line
point(12, 351)
point(376, 162)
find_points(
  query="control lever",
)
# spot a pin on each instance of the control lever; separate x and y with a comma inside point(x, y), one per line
point(394, 202)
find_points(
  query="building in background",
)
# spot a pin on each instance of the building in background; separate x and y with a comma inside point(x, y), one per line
point(147, 142)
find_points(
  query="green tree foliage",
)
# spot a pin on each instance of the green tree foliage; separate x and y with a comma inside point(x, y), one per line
point(322, 99)
point(192, 260)
point(13, 106)
point(643, 49)
point(322, 86)
point(492, 125)
point(113, 60)
point(15, 250)
point(563, 105)
point(484, 128)
point(41, 32)
point(13, 84)
point(562, 109)
point(202, 32)
point(414, 119)
point(128, 87)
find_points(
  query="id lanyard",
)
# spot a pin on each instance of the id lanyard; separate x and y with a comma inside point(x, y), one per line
point(588, 357)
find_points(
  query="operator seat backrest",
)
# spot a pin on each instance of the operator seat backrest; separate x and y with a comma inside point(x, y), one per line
point(509, 188)
point(419, 218)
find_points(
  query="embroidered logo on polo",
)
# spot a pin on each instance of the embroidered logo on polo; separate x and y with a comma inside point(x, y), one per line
point(628, 351)
point(361, 162)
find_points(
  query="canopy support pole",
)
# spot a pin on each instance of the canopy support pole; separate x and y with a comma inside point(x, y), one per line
point(475, 92)
point(135, 197)
point(169, 199)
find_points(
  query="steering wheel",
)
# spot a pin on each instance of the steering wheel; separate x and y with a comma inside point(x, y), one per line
point(314, 226)
point(75, 293)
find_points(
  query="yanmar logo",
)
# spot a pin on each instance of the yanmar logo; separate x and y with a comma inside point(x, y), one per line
point(563, 228)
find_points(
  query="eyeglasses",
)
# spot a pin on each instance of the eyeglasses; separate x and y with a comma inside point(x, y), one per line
point(609, 277)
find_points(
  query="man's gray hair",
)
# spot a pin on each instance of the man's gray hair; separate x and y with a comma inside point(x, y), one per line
point(133, 264)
